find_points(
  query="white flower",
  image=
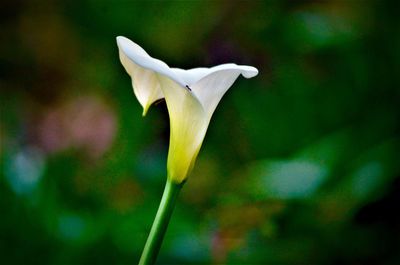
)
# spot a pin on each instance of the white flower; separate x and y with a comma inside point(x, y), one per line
point(191, 97)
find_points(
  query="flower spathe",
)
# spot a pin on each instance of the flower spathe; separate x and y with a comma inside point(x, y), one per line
point(191, 97)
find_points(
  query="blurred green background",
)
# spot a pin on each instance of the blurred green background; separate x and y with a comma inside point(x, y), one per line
point(300, 165)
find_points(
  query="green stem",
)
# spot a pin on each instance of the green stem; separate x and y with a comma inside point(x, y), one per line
point(160, 224)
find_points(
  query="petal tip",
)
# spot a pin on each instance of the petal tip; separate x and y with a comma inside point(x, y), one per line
point(119, 39)
point(145, 110)
point(250, 72)
point(122, 41)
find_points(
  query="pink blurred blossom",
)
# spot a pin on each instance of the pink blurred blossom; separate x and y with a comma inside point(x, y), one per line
point(84, 123)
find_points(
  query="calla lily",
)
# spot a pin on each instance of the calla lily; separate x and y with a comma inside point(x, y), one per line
point(191, 96)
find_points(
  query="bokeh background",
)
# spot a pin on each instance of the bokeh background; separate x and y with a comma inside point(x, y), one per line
point(300, 165)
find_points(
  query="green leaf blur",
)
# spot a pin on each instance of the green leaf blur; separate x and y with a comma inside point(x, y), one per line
point(300, 165)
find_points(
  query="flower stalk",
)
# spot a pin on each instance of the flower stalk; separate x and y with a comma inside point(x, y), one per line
point(160, 224)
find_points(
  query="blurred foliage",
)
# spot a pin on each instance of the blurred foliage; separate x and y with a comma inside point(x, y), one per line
point(300, 165)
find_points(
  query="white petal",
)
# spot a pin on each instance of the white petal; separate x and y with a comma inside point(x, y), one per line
point(144, 82)
point(143, 69)
point(139, 56)
point(188, 126)
point(190, 110)
point(211, 87)
point(192, 76)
